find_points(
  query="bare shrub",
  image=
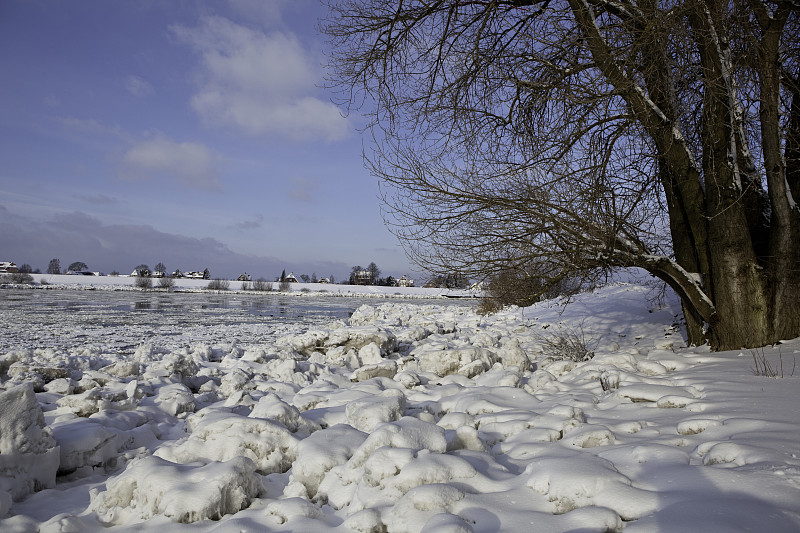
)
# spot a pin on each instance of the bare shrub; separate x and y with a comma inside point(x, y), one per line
point(568, 344)
point(284, 286)
point(167, 282)
point(262, 285)
point(218, 285)
point(511, 287)
point(526, 286)
point(144, 282)
point(764, 368)
point(18, 277)
point(245, 286)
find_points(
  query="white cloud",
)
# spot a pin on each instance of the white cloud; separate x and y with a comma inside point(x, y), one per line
point(190, 164)
point(247, 225)
point(259, 83)
point(266, 12)
point(98, 199)
point(300, 189)
point(138, 86)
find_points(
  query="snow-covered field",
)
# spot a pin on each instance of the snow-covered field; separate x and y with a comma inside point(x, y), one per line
point(406, 417)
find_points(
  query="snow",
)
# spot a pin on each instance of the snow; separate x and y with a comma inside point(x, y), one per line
point(407, 417)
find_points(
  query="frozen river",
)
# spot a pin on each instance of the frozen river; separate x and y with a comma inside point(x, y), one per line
point(123, 411)
point(118, 321)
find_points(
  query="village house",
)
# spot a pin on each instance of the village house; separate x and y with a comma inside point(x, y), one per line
point(405, 282)
point(362, 277)
point(245, 277)
point(8, 267)
point(291, 278)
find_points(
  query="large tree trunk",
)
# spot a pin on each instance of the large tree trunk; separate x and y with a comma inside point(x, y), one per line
point(783, 264)
point(652, 44)
point(739, 284)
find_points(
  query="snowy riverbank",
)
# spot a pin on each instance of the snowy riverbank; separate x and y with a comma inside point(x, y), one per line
point(406, 418)
point(60, 281)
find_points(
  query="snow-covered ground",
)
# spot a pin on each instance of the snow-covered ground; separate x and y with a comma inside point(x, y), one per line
point(405, 417)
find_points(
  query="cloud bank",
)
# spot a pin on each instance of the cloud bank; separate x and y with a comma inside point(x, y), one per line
point(258, 83)
point(77, 236)
point(187, 163)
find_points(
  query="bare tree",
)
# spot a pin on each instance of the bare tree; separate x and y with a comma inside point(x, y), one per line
point(374, 272)
point(54, 267)
point(585, 135)
point(143, 282)
point(166, 282)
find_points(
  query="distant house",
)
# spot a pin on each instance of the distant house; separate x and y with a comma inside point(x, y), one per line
point(82, 273)
point(140, 273)
point(362, 277)
point(324, 280)
point(177, 274)
point(245, 277)
point(8, 267)
point(405, 282)
point(291, 278)
point(193, 275)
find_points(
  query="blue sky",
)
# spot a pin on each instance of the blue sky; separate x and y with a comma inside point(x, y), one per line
point(195, 133)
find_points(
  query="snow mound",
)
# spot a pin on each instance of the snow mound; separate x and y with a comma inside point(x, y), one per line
point(585, 481)
point(184, 493)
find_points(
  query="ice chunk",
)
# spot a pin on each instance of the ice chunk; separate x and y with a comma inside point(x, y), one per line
point(270, 446)
point(511, 354)
point(288, 508)
point(322, 451)
point(366, 414)
point(175, 399)
point(273, 408)
point(86, 443)
point(420, 504)
point(385, 369)
point(407, 432)
point(468, 361)
point(28, 452)
point(22, 427)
